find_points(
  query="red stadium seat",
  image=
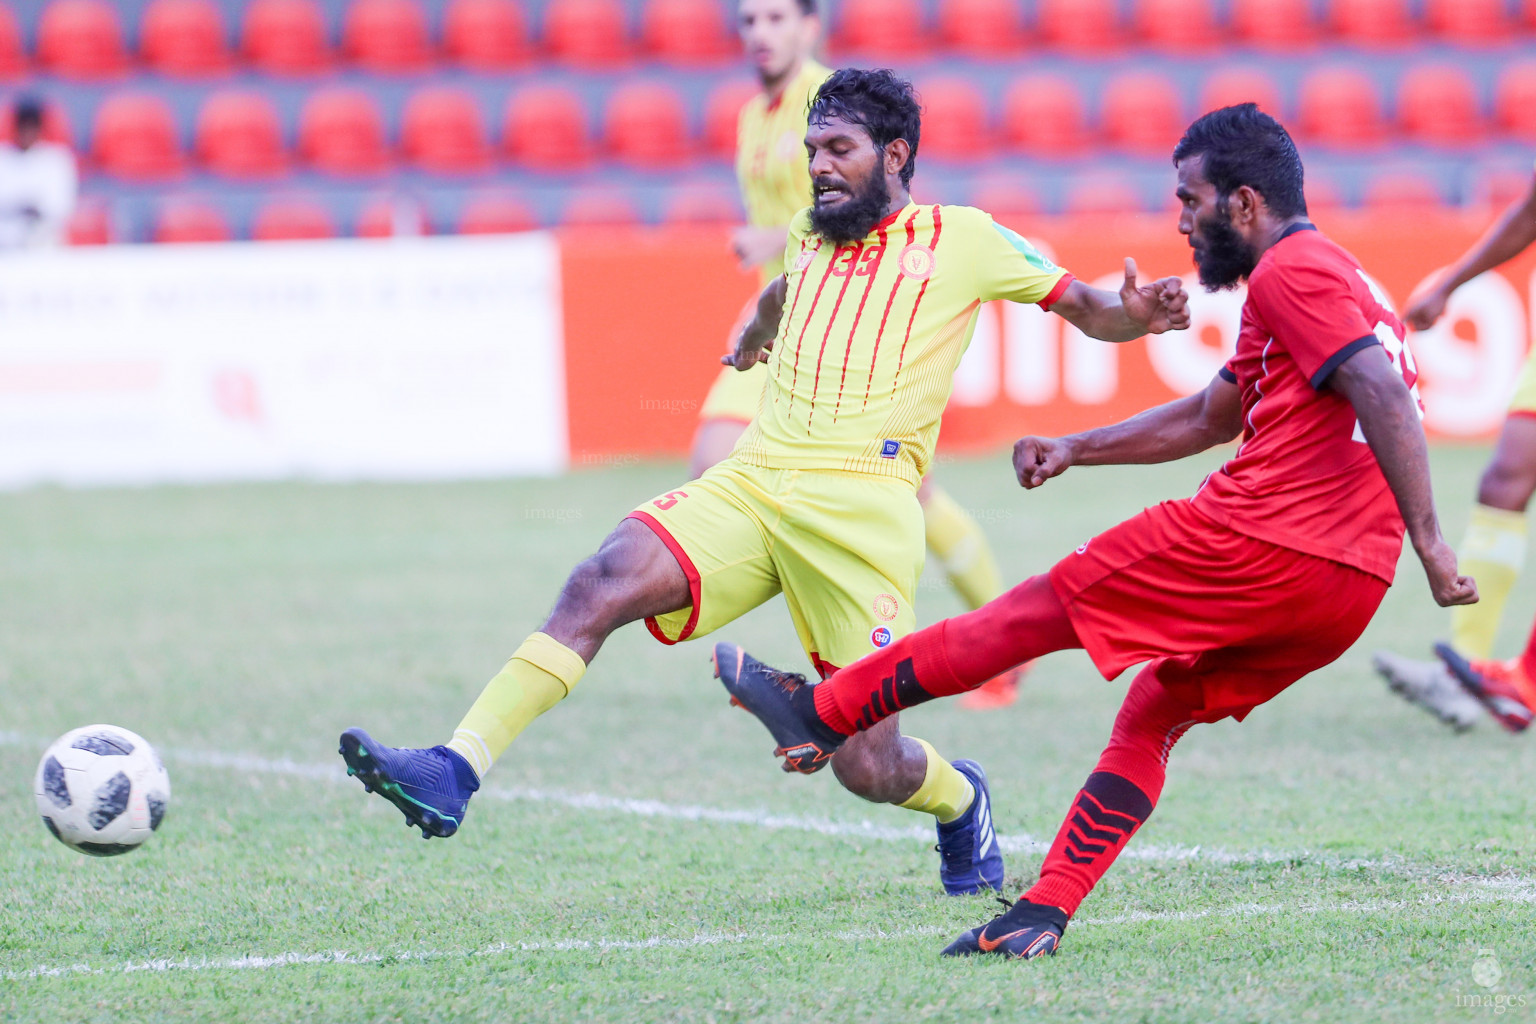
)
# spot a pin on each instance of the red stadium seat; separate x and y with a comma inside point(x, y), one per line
point(685, 31)
point(1006, 198)
point(341, 131)
point(90, 224)
point(703, 205)
point(81, 39)
point(1177, 25)
point(283, 220)
point(285, 37)
point(386, 36)
point(1371, 22)
point(13, 60)
point(1470, 21)
point(134, 137)
point(1232, 86)
point(1340, 106)
point(1043, 116)
point(1141, 112)
point(981, 28)
point(442, 131)
point(496, 214)
point(599, 208)
point(545, 127)
point(646, 125)
point(885, 28)
point(1437, 104)
point(1514, 100)
point(184, 37)
point(1274, 24)
point(238, 135)
point(486, 35)
point(1500, 187)
point(588, 33)
point(1403, 192)
point(721, 112)
point(954, 120)
point(1083, 26)
point(191, 220)
point(391, 217)
point(1102, 195)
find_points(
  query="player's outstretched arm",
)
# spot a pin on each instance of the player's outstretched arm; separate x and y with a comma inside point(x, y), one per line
point(1126, 315)
point(1389, 419)
point(1162, 434)
point(756, 339)
point(1508, 238)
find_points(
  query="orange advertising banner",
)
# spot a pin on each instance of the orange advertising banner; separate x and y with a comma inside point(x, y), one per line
point(648, 313)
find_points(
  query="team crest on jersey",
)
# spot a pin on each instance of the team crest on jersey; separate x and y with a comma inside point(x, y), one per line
point(880, 636)
point(804, 260)
point(917, 261)
point(886, 607)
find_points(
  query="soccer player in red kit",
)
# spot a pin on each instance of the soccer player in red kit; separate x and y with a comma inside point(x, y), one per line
point(1269, 572)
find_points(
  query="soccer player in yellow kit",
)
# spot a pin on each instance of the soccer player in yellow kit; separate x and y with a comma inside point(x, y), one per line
point(866, 326)
point(779, 37)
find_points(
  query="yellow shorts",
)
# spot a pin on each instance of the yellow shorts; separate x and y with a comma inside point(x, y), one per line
point(735, 394)
point(1524, 402)
point(845, 549)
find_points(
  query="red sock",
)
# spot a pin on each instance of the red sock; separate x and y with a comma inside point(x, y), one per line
point(947, 658)
point(1117, 798)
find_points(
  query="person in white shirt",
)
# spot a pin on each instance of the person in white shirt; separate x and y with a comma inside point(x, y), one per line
point(38, 184)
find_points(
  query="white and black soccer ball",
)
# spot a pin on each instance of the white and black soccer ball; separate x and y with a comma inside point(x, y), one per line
point(101, 790)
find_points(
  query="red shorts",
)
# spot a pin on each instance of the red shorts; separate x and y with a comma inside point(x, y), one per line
point(1229, 621)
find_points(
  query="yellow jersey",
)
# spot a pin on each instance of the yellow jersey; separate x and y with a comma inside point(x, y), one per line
point(871, 334)
point(771, 165)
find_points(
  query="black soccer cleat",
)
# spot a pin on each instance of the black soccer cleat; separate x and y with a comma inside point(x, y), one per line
point(1022, 932)
point(431, 787)
point(783, 702)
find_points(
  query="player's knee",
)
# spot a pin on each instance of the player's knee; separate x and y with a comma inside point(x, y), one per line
point(1507, 482)
point(593, 593)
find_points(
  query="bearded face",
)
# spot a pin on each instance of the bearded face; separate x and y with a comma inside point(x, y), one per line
point(1222, 256)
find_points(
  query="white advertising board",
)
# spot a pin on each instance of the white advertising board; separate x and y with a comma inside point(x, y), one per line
point(356, 359)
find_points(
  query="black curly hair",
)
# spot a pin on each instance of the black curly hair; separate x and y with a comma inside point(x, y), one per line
point(879, 102)
point(1242, 145)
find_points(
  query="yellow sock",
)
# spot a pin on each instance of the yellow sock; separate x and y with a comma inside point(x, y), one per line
point(959, 543)
point(535, 679)
point(1493, 554)
point(945, 793)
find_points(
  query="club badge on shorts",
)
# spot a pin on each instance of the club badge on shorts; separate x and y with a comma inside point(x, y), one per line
point(880, 636)
point(886, 607)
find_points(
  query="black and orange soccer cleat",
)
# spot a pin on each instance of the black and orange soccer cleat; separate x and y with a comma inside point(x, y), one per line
point(1022, 932)
point(782, 701)
point(1501, 686)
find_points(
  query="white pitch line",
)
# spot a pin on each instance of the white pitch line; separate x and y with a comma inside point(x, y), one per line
point(1462, 891)
point(867, 830)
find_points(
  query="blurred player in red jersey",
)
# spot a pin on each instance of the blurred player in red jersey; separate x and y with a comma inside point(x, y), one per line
point(1494, 546)
point(1270, 572)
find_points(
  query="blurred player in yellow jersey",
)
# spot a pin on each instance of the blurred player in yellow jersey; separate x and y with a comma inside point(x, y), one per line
point(779, 38)
point(876, 305)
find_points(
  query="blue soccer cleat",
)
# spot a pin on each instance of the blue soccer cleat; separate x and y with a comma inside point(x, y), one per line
point(784, 703)
point(970, 860)
point(1022, 932)
point(431, 787)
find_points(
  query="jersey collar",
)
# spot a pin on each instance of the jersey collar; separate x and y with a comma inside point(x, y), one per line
point(1302, 226)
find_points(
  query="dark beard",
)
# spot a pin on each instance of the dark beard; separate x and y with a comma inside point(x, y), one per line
point(1227, 259)
point(855, 217)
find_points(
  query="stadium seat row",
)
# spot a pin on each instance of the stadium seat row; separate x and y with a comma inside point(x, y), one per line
point(85, 39)
point(443, 130)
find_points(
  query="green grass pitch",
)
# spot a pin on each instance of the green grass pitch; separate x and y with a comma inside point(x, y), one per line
point(638, 856)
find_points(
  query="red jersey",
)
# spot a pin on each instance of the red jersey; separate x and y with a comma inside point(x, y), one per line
point(1304, 478)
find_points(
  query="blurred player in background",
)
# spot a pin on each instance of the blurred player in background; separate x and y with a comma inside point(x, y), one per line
point(1493, 550)
point(780, 38)
point(1270, 572)
point(877, 304)
point(38, 184)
